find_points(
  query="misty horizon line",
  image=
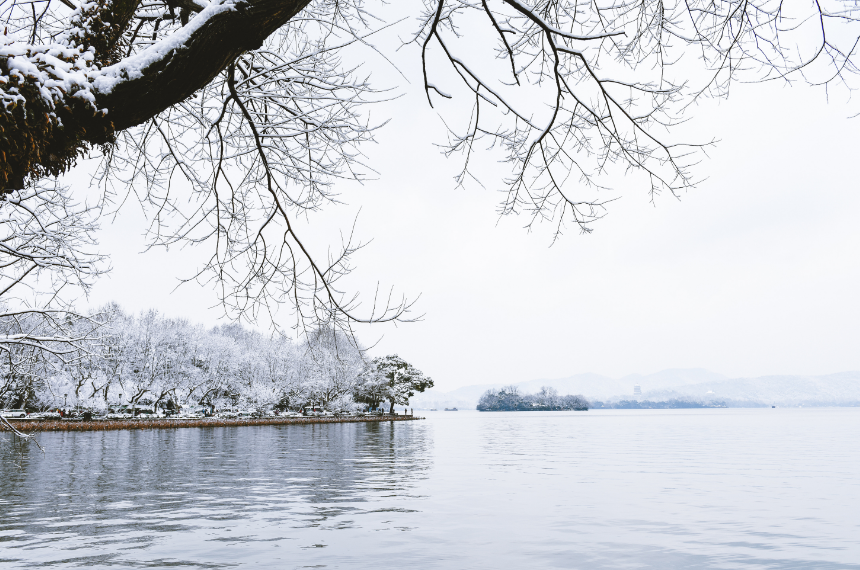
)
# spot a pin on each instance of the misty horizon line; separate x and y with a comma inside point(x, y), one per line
point(715, 376)
point(697, 369)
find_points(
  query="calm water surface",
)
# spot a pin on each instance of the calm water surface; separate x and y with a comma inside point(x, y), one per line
point(772, 488)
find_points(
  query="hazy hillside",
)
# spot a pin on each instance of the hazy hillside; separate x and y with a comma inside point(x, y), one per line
point(833, 389)
point(596, 386)
point(842, 389)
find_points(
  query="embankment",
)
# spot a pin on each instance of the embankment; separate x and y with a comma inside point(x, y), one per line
point(31, 426)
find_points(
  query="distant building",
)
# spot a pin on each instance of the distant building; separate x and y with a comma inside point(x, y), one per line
point(637, 390)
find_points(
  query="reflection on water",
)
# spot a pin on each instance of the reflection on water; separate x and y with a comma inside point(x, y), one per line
point(602, 489)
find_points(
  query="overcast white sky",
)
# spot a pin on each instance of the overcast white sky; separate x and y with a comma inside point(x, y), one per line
point(755, 272)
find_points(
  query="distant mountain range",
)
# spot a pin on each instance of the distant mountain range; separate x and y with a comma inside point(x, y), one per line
point(694, 384)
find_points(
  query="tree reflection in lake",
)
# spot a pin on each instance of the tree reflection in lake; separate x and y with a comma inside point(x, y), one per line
point(599, 490)
point(201, 496)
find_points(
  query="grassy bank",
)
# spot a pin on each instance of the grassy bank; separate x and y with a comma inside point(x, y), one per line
point(30, 426)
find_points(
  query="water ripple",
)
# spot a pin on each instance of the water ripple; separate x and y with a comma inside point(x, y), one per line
point(727, 489)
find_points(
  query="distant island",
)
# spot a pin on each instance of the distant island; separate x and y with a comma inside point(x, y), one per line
point(509, 399)
point(675, 388)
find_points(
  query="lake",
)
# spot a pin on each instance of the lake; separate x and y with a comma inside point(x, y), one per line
point(715, 488)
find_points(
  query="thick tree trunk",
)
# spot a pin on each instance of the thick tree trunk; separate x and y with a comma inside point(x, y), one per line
point(40, 137)
point(178, 72)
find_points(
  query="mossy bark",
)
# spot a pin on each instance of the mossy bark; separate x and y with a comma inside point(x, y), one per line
point(39, 138)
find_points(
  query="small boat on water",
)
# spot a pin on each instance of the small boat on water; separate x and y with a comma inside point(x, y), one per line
point(451, 409)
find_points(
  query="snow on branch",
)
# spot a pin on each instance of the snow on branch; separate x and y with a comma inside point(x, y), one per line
point(232, 120)
point(48, 256)
point(259, 147)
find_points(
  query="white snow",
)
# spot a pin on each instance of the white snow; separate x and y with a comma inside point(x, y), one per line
point(132, 67)
point(58, 70)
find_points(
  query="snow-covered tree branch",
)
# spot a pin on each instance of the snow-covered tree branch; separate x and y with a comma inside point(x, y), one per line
point(47, 255)
point(229, 119)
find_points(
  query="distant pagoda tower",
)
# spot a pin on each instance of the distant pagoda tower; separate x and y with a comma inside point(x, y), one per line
point(637, 390)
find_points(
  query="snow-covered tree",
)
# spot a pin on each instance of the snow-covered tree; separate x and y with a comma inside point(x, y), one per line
point(390, 378)
point(331, 363)
point(154, 360)
point(47, 253)
point(547, 397)
point(241, 115)
point(510, 399)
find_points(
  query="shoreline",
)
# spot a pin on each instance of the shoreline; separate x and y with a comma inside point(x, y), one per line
point(37, 426)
